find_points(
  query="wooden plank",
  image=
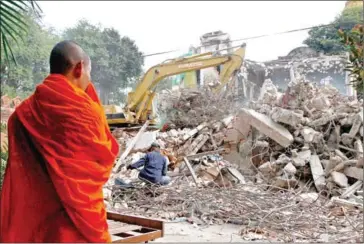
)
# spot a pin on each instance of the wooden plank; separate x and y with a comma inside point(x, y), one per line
point(125, 228)
point(346, 203)
point(354, 172)
point(130, 147)
point(352, 189)
point(317, 172)
point(143, 237)
point(115, 238)
point(217, 151)
point(191, 170)
point(135, 220)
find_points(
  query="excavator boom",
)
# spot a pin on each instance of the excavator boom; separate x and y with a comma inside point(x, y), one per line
point(139, 103)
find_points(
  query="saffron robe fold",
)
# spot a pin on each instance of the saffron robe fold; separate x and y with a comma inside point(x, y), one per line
point(61, 153)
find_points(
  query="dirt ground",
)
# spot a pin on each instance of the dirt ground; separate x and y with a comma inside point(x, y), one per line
point(186, 232)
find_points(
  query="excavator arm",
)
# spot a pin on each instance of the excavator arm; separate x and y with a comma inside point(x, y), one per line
point(139, 103)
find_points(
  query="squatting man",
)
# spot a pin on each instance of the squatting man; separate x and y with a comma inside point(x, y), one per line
point(154, 165)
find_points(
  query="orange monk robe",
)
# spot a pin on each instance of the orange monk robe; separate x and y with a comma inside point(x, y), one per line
point(60, 155)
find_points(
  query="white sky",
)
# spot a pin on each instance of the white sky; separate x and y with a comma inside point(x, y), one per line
point(165, 25)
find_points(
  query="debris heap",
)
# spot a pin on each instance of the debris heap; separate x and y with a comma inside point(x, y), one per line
point(201, 145)
point(307, 139)
point(190, 108)
point(307, 133)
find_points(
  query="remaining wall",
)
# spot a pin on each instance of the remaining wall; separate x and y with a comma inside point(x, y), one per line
point(211, 42)
point(315, 67)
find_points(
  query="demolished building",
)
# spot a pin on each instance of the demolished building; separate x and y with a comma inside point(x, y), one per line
point(301, 61)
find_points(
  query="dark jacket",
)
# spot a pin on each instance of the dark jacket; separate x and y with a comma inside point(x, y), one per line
point(155, 166)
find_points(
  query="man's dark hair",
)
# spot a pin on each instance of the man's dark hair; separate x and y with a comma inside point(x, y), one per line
point(62, 55)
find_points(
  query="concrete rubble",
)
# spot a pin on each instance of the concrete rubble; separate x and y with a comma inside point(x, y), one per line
point(190, 108)
point(323, 138)
point(201, 145)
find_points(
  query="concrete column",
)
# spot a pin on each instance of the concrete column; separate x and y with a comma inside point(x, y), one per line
point(350, 91)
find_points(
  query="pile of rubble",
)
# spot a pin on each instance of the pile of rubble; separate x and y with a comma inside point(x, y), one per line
point(308, 133)
point(189, 108)
point(307, 139)
point(264, 215)
point(201, 146)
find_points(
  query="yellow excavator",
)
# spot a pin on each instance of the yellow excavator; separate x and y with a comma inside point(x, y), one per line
point(139, 102)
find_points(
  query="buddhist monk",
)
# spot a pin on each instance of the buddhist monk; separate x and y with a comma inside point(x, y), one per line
point(61, 153)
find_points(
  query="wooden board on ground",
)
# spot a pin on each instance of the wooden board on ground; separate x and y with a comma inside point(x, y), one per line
point(133, 229)
point(191, 170)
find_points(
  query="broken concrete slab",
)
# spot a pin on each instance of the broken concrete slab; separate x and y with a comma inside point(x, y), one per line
point(352, 189)
point(310, 135)
point(145, 141)
point(242, 124)
point(309, 197)
point(232, 135)
point(354, 172)
point(333, 162)
point(326, 118)
point(282, 160)
point(325, 164)
point(358, 146)
point(285, 183)
point(357, 123)
point(173, 133)
point(320, 103)
point(238, 177)
point(341, 155)
point(227, 121)
point(266, 168)
point(302, 158)
point(268, 127)
point(340, 179)
point(341, 166)
point(194, 131)
point(360, 163)
point(286, 116)
point(317, 172)
point(195, 146)
point(290, 169)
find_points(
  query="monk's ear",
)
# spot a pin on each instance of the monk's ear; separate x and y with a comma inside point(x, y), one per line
point(77, 71)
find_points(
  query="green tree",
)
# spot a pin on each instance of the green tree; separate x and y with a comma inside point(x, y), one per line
point(353, 41)
point(116, 61)
point(325, 39)
point(13, 24)
point(32, 55)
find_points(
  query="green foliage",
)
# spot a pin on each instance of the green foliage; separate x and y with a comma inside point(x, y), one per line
point(13, 24)
point(32, 60)
point(353, 41)
point(2, 168)
point(326, 40)
point(3, 156)
point(116, 60)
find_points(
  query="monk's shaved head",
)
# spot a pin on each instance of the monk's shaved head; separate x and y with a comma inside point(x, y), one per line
point(64, 55)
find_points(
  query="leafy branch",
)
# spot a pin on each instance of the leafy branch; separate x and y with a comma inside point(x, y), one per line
point(13, 24)
point(353, 41)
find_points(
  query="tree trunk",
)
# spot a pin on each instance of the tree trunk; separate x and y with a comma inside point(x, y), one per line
point(104, 95)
